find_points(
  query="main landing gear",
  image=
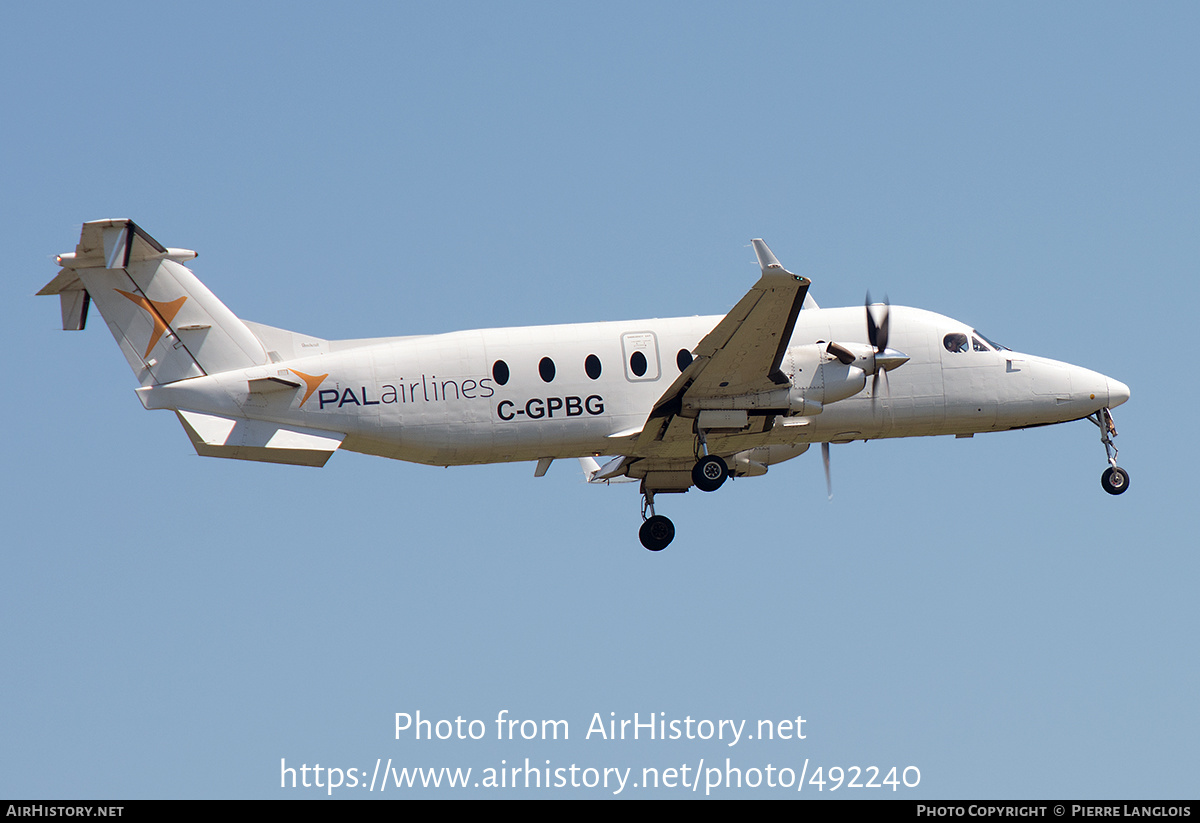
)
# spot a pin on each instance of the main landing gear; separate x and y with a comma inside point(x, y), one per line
point(1115, 480)
point(709, 473)
point(657, 531)
point(710, 470)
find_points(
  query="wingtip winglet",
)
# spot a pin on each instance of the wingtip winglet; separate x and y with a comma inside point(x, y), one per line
point(771, 266)
point(766, 259)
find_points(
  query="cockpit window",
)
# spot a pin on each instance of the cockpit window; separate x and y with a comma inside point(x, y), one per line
point(978, 345)
point(996, 346)
point(956, 342)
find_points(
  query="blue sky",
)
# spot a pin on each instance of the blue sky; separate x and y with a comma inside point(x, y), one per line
point(174, 626)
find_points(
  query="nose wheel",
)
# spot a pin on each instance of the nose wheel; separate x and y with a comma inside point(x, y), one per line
point(1115, 480)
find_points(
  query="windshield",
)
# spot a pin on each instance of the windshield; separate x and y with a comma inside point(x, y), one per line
point(991, 343)
point(960, 342)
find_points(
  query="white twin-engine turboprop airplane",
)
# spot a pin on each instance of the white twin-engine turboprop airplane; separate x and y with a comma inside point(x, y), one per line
point(681, 402)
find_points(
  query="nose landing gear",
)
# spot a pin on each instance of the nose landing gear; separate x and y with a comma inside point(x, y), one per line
point(1115, 480)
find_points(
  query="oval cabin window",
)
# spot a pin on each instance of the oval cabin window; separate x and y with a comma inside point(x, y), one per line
point(500, 372)
point(683, 359)
point(637, 363)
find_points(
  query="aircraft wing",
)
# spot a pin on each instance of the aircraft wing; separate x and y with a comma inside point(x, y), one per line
point(741, 355)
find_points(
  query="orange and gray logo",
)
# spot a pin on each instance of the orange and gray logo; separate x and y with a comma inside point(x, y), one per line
point(311, 381)
point(162, 313)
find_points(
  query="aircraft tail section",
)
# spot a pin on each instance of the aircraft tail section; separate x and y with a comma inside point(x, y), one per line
point(167, 323)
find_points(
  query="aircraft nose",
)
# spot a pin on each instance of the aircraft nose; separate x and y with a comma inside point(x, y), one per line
point(1118, 392)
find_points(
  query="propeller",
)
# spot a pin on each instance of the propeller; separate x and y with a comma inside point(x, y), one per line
point(828, 477)
point(877, 336)
point(885, 360)
point(877, 333)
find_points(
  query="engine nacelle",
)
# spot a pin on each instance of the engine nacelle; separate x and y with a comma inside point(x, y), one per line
point(841, 381)
point(816, 377)
point(754, 462)
point(821, 377)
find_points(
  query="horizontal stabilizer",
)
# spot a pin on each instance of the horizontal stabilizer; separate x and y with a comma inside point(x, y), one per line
point(168, 324)
point(244, 439)
point(117, 244)
point(73, 296)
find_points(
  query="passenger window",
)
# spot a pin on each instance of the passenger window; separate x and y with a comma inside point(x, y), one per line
point(637, 363)
point(500, 372)
point(592, 366)
point(955, 342)
point(546, 369)
point(683, 359)
point(640, 352)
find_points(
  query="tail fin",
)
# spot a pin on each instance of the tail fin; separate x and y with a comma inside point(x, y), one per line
point(167, 323)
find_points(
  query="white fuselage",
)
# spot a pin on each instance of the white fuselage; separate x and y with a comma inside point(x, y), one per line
point(676, 404)
point(443, 400)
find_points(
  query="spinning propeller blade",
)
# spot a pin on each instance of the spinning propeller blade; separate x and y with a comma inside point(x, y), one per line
point(828, 477)
point(877, 335)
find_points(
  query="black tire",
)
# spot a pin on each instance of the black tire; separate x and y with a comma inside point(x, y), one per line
point(709, 473)
point(657, 533)
point(1115, 480)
